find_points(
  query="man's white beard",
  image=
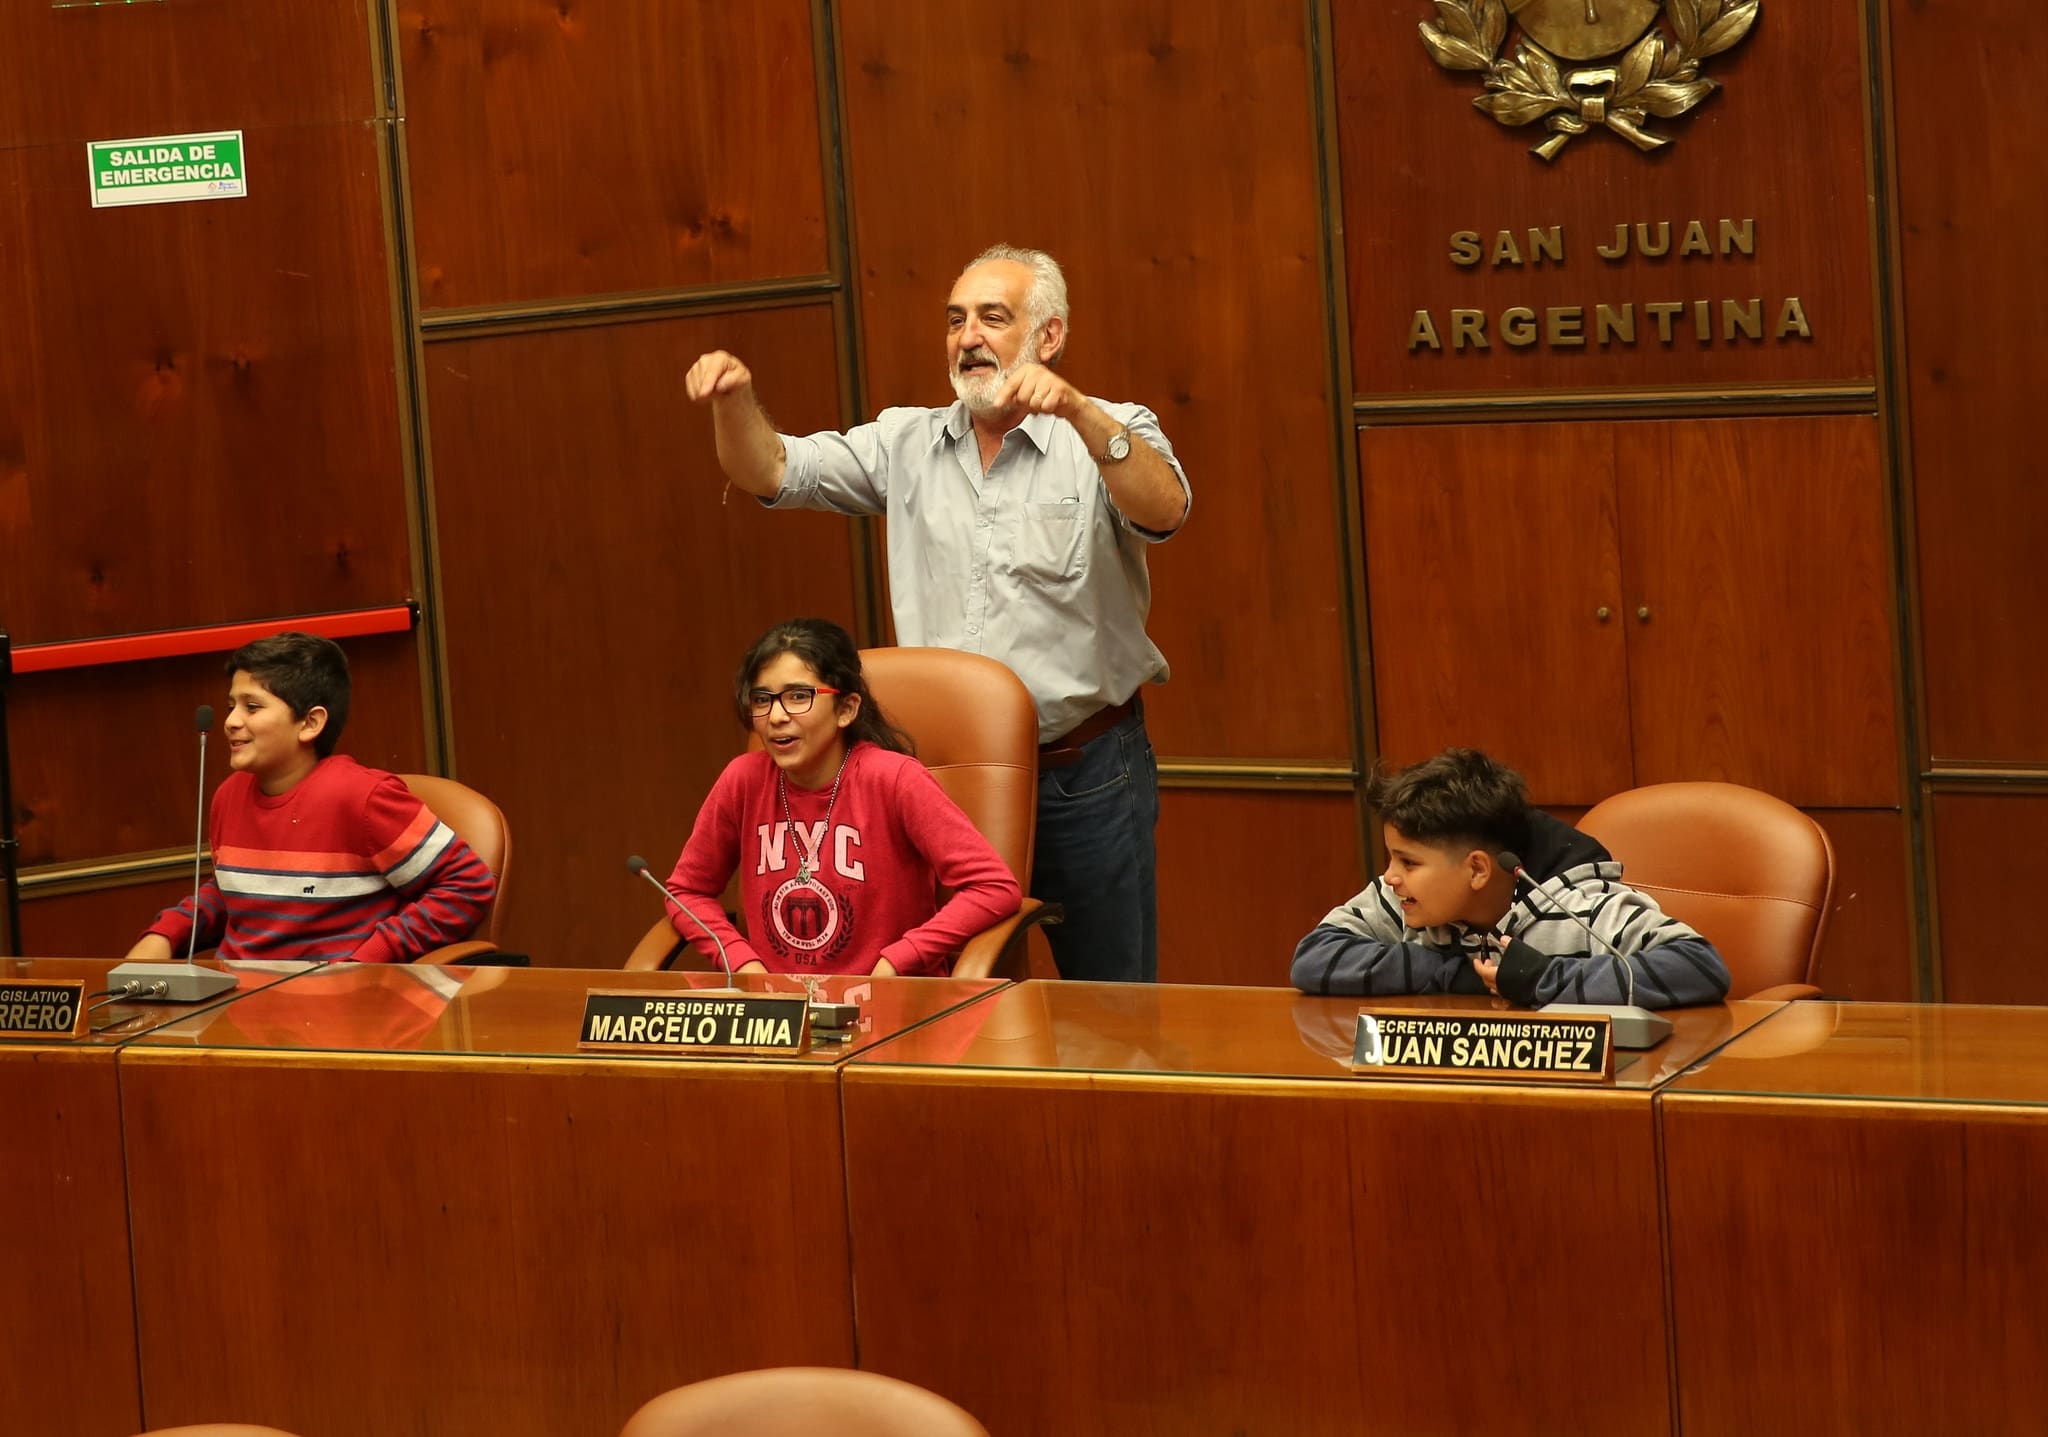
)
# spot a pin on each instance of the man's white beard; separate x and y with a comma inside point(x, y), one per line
point(978, 392)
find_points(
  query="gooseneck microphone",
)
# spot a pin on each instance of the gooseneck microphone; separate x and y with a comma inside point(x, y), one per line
point(1633, 1027)
point(1512, 862)
point(203, 721)
point(184, 982)
point(639, 866)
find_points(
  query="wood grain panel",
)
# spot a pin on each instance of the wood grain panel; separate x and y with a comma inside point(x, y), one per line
point(1759, 548)
point(67, 1320)
point(598, 593)
point(561, 150)
point(1490, 551)
point(1242, 876)
point(555, 1246)
point(1781, 143)
point(1856, 1270)
point(128, 70)
point(1171, 169)
point(198, 417)
point(103, 922)
point(1977, 840)
point(105, 758)
point(1972, 215)
point(1123, 1257)
point(1868, 950)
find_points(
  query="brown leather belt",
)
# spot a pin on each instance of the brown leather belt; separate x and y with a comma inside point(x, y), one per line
point(1065, 751)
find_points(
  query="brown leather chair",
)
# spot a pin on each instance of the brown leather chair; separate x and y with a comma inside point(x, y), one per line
point(478, 822)
point(1749, 871)
point(802, 1402)
point(976, 730)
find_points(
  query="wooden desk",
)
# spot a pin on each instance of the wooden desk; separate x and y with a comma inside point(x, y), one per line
point(1857, 1195)
point(67, 1314)
point(422, 1211)
point(1085, 1208)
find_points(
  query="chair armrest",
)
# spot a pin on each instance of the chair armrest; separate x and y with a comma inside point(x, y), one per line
point(654, 950)
point(665, 950)
point(456, 953)
point(1785, 993)
point(998, 951)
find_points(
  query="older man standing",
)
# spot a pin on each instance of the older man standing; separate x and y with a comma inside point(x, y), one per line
point(1018, 519)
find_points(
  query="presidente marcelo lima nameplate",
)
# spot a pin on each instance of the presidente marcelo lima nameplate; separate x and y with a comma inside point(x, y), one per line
point(1409, 1042)
point(1556, 73)
point(682, 1023)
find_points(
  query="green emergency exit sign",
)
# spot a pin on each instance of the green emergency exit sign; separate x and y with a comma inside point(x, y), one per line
point(167, 169)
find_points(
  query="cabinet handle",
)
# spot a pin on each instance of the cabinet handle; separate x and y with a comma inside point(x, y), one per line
point(1602, 613)
point(1643, 613)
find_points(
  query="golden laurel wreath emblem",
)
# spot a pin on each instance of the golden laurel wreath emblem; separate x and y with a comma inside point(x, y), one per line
point(1657, 74)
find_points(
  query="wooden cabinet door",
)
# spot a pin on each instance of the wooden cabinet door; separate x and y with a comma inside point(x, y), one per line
point(1758, 548)
point(1490, 552)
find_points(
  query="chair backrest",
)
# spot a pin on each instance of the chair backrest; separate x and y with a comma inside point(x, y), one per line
point(1749, 871)
point(976, 730)
point(801, 1402)
point(478, 823)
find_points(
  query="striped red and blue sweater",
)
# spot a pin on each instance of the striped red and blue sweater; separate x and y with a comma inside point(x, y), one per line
point(347, 863)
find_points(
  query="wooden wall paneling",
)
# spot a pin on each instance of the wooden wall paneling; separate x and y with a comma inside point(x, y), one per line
point(1782, 143)
point(562, 151)
point(1868, 950)
point(1268, 1257)
point(1856, 1269)
point(1972, 214)
point(556, 1247)
point(599, 588)
point(67, 1312)
point(98, 922)
point(1986, 850)
point(1490, 552)
point(1166, 155)
point(1759, 548)
point(1243, 875)
point(124, 71)
point(200, 420)
point(105, 758)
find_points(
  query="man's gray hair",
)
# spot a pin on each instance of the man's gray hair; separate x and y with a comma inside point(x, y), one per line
point(1046, 298)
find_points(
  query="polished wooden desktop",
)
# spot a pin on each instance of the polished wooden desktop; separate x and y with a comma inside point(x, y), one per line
point(1175, 1210)
point(401, 1200)
point(67, 1314)
point(1857, 1195)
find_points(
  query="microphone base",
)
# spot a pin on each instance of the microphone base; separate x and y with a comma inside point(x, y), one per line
point(182, 982)
point(1634, 1028)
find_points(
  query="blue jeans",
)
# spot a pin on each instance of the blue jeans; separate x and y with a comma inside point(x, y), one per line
point(1095, 857)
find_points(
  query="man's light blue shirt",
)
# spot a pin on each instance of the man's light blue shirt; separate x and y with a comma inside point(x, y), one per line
point(1031, 563)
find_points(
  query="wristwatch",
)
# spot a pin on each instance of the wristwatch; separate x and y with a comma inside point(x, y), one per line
point(1119, 447)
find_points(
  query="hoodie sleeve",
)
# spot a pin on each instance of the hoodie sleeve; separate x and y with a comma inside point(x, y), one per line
point(1363, 947)
point(1646, 957)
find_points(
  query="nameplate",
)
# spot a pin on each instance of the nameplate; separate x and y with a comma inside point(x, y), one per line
point(46, 1008)
point(615, 1019)
point(1406, 1042)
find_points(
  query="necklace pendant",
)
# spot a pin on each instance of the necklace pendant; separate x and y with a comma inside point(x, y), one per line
point(803, 873)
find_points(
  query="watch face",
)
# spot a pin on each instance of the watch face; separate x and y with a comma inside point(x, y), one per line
point(1120, 446)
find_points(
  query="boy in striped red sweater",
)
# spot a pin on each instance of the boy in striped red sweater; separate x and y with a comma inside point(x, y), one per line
point(314, 855)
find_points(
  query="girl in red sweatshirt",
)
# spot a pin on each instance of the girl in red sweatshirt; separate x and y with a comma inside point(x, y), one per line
point(840, 836)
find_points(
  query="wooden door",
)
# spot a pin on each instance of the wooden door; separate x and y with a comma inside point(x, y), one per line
point(1758, 608)
point(1491, 554)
